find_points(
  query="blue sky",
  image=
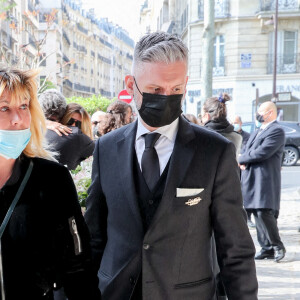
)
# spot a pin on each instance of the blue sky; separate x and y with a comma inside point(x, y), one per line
point(125, 13)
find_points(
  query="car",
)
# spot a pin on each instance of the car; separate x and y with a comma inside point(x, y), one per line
point(292, 140)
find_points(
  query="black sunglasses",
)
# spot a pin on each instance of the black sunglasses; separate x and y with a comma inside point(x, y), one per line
point(77, 123)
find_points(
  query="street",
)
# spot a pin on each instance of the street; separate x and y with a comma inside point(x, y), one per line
point(281, 281)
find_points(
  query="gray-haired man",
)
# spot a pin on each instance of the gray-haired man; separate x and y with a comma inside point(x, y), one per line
point(160, 187)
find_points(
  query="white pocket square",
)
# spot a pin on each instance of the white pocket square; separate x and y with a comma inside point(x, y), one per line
point(187, 192)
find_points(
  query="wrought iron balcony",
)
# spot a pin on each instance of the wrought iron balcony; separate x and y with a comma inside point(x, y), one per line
point(82, 29)
point(68, 83)
point(221, 9)
point(283, 5)
point(286, 64)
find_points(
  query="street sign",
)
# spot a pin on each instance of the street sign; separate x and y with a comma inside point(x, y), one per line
point(124, 96)
point(246, 59)
point(284, 96)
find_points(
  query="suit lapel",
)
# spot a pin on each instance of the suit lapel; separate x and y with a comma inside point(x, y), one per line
point(126, 151)
point(263, 133)
point(180, 161)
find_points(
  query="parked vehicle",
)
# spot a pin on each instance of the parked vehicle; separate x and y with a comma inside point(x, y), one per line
point(292, 140)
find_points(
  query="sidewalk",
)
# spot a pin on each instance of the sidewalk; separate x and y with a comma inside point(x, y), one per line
point(281, 281)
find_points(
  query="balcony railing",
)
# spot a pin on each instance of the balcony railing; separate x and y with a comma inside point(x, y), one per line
point(66, 37)
point(286, 64)
point(68, 83)
point(269, 5)
point(83, 88)
point(221, 9)
point(32, 41)
point(104, 59)
point(82, 29)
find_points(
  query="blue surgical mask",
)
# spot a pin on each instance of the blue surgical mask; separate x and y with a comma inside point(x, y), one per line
point(258, 124)
point(237, 127)
point(13, 142)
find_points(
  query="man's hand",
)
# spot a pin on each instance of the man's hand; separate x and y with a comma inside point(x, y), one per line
point(58, 128)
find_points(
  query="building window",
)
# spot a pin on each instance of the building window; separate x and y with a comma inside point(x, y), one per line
point(286, 52)
point(219, 56)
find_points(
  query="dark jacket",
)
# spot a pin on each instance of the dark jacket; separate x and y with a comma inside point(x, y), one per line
point(40, 247)
point(72, 149)
point(174, 255)
point(261, 181)
point(245, 136)
point(226, 129)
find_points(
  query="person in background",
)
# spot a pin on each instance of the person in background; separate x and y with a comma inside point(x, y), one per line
point(76, 115)
point(98, 121)
point(192, 118)
point(45, 243)
point(160, 186)
point(122, 113)
point(237, 124)
point(73, 147)
point(118, 114)
point(214, 116)
point(261, 180)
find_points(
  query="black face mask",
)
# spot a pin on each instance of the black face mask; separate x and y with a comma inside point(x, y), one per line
point(259, 118)
point(96, 132)
point(159, 110)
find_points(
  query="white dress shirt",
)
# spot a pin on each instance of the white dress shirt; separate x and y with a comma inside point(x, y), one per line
point(164, 145)
point(265, 125)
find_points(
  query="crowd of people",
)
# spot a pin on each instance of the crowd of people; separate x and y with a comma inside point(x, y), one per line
point(165, 214)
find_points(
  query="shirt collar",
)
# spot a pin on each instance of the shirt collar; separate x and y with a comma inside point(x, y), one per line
point(264, 126)
point(169, 131)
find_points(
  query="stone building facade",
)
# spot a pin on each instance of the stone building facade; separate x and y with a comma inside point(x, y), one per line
point(243, 50)
point(79, 53)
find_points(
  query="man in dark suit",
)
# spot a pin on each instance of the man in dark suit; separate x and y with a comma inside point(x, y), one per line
point(160, 187)
point(261, 178)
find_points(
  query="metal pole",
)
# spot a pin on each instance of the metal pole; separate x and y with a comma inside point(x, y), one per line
point(274, 96)
point(207, 49)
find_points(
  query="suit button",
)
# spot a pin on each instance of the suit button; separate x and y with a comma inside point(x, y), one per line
point(132, 281)
point(146, 246)
point(151, 202)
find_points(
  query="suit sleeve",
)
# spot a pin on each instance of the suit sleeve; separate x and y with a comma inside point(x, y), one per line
point(269, 145)
point(96, 213)
point(234, 245)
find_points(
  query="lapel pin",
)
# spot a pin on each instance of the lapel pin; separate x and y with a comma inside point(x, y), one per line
point(193, 201)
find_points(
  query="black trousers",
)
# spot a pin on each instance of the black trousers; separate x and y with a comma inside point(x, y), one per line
point(267, 229)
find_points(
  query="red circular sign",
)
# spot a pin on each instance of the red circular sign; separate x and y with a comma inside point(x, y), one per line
point(124, 96)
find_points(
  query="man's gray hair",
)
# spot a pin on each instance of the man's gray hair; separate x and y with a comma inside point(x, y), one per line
point(160, 47)
point(53, 104)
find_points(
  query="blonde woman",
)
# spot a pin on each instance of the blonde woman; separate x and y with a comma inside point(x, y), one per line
point(44, 239)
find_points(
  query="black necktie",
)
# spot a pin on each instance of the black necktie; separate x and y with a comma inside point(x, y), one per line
point(150, 161)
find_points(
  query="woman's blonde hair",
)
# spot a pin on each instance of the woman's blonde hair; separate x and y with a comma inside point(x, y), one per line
point(86, 124)
point(22, 84)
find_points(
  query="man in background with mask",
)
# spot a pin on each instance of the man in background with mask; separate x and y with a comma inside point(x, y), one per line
point(237, 124)
point(160, 186)
point(261, 180)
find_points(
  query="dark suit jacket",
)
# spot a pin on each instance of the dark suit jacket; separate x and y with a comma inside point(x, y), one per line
point(175, 253)
point(72, 149)
point(261, 180)
point(245, 136)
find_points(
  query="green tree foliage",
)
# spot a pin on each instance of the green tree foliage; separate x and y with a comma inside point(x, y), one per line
point(91, 104)
point(46, 85)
